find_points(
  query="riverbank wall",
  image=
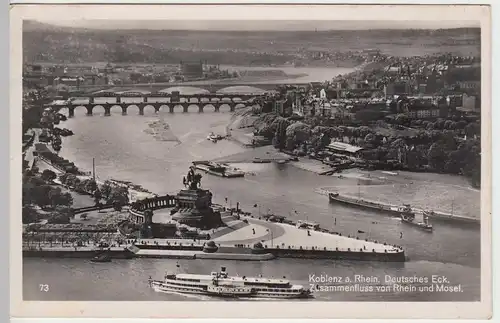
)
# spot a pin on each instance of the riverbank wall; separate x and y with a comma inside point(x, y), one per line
point(359, 255)
point(69, 252)
point(224, 253)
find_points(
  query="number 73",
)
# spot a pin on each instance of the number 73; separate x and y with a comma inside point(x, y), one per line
point(44, 287)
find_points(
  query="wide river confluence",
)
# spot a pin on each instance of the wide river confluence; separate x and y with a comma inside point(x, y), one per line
point(124, 148)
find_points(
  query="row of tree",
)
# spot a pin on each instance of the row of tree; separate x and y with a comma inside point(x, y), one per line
point(107, 192)
point(38, 191)
point(470, 128)
point(419, 149)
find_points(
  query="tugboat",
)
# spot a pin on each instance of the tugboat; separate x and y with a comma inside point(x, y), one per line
point(214, 138)
point(425, 225)
point(219, 284)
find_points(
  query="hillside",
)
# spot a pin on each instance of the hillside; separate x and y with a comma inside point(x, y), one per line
point(43, 42)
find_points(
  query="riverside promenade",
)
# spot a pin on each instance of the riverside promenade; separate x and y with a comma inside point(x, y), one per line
point(245, 238)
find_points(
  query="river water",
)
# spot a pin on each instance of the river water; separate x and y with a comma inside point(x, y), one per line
point(125, 149)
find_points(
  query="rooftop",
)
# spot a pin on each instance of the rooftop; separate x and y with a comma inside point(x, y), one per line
point(344, 147)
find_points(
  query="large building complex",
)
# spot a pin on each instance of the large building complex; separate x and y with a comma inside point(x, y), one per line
point(191, 70)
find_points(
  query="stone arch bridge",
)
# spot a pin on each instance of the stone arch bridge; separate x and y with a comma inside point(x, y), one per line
point(200, 102)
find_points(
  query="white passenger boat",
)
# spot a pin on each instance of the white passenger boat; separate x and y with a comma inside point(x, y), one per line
point(219, 284)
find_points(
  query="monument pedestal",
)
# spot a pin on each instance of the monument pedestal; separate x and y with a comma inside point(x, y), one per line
point(194, 208)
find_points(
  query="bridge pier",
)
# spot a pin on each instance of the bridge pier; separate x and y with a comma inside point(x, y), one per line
point(124, 111)
point(184, 108)
point(232, 107)
point(141, 111)
point(71, 112)
point(217, 108)
point(171, 109)
point(200, 108)
point(107, 111)
point(89, 110)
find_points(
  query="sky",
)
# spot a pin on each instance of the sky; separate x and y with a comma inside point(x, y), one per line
point(259, 25)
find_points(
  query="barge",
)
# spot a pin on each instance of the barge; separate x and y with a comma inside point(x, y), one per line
point(395, 211)
point(217, 169)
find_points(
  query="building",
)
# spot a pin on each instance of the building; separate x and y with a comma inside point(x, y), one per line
point(342, 148)
point(397, 88)
point(469, 102)
point(69, 81)
point(109, 69)
point(469, 85)
point(283, 107)
point(191, 70)
point(423, 111)
point(371, 52)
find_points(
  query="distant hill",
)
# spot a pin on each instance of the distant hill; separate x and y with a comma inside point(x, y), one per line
point(48, 43)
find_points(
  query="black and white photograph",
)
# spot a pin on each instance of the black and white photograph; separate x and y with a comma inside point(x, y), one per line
point(212, 160)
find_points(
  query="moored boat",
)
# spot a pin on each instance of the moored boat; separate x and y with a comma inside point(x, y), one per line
point(218, 169)
point(220, 284)
point(101, 258)
point(405, 209)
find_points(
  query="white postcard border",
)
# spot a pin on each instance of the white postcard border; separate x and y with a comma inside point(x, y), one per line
point(357, 310)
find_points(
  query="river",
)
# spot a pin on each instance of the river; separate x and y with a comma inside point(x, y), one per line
point(124, 149)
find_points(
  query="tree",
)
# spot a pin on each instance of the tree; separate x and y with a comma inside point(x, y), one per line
point(402, 119)
point(279, 140)
point(324, 141)
point(455, 162)
point(369, 139)
point(63, 178)
point(90, 185)
point(437, 156)
point(439, 124)
point(40, 195)
point(29, 215)
point(106, 190)
point(58, 218)
point(471, 129)
point(81, 186)
point(56, 197)
point(97, 196)
point(119, 197)
point(72, 181)
point(461, 124)
point(449, 124)
point(48, 175)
